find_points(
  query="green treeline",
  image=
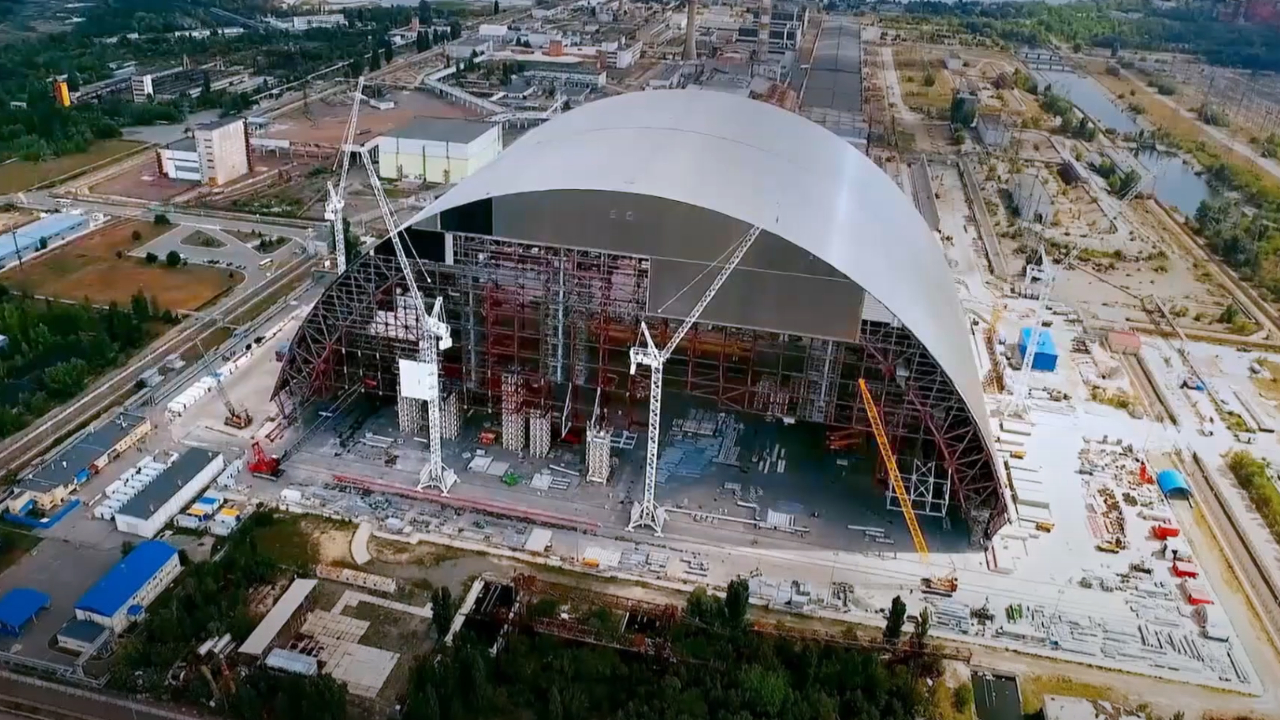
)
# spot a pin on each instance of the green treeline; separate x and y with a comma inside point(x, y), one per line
point(56, 349)
point(724, 671)
point(1129, 24)
point(1255, 476)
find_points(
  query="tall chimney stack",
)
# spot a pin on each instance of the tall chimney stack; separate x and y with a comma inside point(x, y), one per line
point(762, 27)
point(690, 28)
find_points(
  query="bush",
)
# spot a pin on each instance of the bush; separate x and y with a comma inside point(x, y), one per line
point(136, 235)
point(119, 254)
point(162, 219)
point(173, 258)
point(962, 698)
point(152, 258)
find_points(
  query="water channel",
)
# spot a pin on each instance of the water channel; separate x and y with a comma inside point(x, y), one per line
point(1177, 184)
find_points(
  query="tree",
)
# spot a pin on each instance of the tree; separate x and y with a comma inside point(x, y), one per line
point(162, 219)
point(388, 53)
point(929, 78)
point(496, 9)
point(920, 635)
point(375, 60)
point(119, 254)
point(424, 12)
point(139, 306)
point(963, 111)
point(897, 620)
point(420, 41)
point(443, 608)
point(152, 258)
point(736, 601)
point(455, 29)
point(173, 258)
point(73, 80)
point(136, 235)
point(356, 66)
point(206, 84)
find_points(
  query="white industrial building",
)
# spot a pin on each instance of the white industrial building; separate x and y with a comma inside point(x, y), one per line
point(993, 131)
point(464, 48)
point(121, 595)
point(223, 146)
point(170, 492)
point(179, 161)
point(438, 150)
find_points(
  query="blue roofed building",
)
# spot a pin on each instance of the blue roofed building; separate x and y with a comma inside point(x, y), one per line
point(18, 607)
point(121, 596)
point(40, 234)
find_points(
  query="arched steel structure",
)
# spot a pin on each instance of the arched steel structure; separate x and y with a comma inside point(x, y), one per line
point(549, 256)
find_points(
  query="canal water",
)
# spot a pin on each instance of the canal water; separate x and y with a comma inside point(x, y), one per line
point(1177, 183)
point(1089, 95)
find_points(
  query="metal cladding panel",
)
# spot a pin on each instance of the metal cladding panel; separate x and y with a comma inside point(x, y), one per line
point(764, 166)
point(758, 299)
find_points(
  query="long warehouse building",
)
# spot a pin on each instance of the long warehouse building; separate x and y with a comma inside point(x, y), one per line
point(547, 274)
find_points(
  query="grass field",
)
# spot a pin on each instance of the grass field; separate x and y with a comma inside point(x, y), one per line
point(1035, 687)
point(912, 67)
point(14, 544)
point(88, 267)
point(20, 175)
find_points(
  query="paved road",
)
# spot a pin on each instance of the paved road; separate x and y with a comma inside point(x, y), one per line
point(41, 701)
point(234, 253)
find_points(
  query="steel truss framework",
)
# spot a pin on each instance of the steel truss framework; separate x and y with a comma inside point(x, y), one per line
point(565, 319)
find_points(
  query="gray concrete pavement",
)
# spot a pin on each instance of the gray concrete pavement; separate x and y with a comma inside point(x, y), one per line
point(234, 254)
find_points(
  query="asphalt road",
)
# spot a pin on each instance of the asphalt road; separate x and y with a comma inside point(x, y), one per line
point(53, 704)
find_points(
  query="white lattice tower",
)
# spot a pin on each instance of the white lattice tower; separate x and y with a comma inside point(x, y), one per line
point(540, 434)
point(513, 422)
point(598, 462)
point(409, 411)
point(435, 474)
point(451, 417)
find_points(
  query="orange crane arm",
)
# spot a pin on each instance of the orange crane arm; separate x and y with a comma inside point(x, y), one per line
point(895, 478)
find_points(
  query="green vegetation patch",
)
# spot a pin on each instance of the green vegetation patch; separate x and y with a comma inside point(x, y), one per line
point(1253, 474)
point(1035, 687)
point(20, 175)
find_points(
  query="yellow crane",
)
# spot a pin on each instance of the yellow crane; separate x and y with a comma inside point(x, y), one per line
point(946, 584)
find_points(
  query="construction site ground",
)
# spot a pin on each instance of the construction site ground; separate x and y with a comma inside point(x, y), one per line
point(328, 117)
point(143, 182)
point(87, 267)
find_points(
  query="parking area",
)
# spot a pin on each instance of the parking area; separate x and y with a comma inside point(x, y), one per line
point(64, 570)
point(210, 245)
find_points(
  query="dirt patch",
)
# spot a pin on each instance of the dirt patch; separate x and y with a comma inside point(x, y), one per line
point(324, 121)
point(333, 546)
point(143, 183)
point(98, 266)
point(202, 239)
point(1268, 386)
point(16, 219)
point(20, 175)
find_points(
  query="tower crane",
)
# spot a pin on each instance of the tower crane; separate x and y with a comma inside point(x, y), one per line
point(334, 204)
point(647, 512)
point(947, 584)
point(433, 339)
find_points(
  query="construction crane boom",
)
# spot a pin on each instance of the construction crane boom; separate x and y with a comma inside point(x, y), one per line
point(895, 478)
point(334, 205)
point(236, 417)
point(434, 338)
point(647, 512)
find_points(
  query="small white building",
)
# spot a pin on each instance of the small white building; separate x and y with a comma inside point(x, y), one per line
point(463, 48)
point(121, 596)
point(179, 160)
point(438, 150)
point(497, 34)
point(1032, 199)
point(170, 492)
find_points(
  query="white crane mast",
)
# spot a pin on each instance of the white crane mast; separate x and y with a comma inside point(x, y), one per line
point(434, 338)
point(647, 512)
point(334, 204)
point(1019, 404)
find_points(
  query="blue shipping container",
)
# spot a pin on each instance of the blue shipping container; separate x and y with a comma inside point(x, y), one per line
point(1046, 357)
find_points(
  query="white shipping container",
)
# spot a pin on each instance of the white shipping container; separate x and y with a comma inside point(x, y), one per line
point(145, 460)
point(114, 488)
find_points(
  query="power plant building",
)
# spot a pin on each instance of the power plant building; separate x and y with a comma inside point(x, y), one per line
point(438, 150)
point(549, 257)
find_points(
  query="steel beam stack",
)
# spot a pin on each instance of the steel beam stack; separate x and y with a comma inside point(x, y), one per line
point(598, 464)
point(540, 434)
point(451, 417)
point(512, 413)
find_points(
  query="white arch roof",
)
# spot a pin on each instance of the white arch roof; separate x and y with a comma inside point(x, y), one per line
point(762, 165)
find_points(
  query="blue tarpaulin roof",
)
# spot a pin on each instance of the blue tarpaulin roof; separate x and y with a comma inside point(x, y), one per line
point(1172, 481)
point(115, 589)
point(19, 606)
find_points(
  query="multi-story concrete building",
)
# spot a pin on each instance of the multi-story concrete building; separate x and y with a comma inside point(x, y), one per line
point(223, 147)
point(179, 160)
